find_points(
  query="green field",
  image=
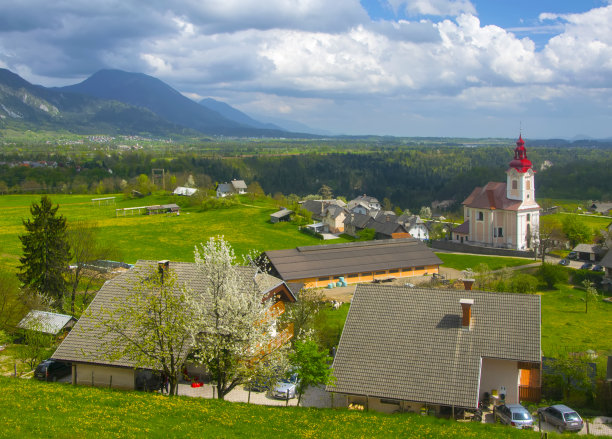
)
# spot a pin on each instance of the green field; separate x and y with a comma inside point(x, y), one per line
point(595, 222)
point(461, 262)
point(245, 226)
point(34, 409)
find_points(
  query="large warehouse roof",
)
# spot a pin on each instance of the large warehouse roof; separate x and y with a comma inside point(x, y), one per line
point(354, 257)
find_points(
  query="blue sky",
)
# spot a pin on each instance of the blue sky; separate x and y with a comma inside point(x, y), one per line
point(469, 68)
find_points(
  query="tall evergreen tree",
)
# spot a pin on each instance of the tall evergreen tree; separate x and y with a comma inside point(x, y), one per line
point(46, 252)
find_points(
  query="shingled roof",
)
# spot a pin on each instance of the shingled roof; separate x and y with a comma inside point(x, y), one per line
point(353, 257)
point(84, 343)
point(491, 196)
point(408, 344)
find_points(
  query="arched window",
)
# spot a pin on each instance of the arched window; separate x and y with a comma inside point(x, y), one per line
point(528, 184)
point(514, 184)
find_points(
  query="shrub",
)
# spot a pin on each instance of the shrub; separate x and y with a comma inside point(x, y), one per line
point(523, 283)
point(553, 274)
point(579, 276)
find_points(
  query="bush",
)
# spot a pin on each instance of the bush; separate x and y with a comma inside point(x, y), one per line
point(219, 203)
point(579, 276)
point(553, 274)
point(523, 283)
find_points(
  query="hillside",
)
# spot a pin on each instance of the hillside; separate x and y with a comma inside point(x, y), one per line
point(34, 409)
point(26, 106)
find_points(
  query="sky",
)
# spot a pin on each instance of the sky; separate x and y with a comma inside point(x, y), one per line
point(466, 68)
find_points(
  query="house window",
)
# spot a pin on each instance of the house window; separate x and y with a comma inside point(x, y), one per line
point(494, 232)
point(369, 273)
point(393, 271)
point(514, 184)
point(419, 268)
point(528, 184)
point(378, 273)
point(480, 216)
point(500, 232)
point(324, 278)
point(353, 275)
point(528, 217)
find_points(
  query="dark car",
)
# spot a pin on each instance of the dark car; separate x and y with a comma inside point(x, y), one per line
point(598, 268)
point(52, 370)
point(515, 415)
point(561, 417)
point(564, 262)
point(586, 266)
point(573, 255)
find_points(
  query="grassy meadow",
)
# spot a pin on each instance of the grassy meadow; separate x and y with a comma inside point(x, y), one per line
point(461, 262)
point(246, 226)
point(36, 409)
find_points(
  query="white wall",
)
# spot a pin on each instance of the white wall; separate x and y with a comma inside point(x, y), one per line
point(123, 378)
point(497, 373)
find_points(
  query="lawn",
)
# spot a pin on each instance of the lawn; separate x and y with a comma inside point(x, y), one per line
point(567, 328)
point(462, 262)
point(34, 409)
point(245, 226)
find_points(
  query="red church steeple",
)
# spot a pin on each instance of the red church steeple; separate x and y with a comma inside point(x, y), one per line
point(521, 163)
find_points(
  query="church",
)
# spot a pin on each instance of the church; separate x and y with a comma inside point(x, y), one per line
point(503, 215)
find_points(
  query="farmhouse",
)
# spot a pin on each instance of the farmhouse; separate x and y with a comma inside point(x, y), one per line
point(504, 215)
point(234, 187)
point(83, 347)
point(319, 265)
point(47, 322)
point(412, 348)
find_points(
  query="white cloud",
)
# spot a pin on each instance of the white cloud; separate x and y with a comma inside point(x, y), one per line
point(434, 7)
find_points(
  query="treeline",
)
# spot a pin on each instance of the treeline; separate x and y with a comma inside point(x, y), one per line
point(410, 177)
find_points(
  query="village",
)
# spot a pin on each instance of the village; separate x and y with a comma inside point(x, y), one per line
point(418, 338)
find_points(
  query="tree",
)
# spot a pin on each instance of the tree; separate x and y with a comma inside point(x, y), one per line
point(590, 294)
point(231, 330)
point(550, 235)
point(150, 326)
point(573, 373)
point(553, 274)
point(576, 230)
point(326, 192)
point(386, 204)
point(36, 346)
point(46, 251)
point(366, 234)
point(255, 190)
point(302, 312)
point(86, 247)
point(311, 366)
point(12, 308)
point(425, 212)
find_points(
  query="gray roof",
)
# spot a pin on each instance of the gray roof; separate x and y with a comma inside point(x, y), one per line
point(386, 227)
point(85, 341)
point(408, 344)
point(606, 261)
point(334, 211)
point(463, 228)
point(225, 188)
point(359, 220)
point(353, 257)
point(281, 213)
point(182, 190)
point(239, 184)
point(44, 321)
point(589, 248)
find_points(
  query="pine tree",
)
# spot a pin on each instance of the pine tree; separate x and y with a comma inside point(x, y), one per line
point(46, 252)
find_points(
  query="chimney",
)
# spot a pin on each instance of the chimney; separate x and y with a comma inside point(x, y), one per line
point(162, 267)
point(466, 308)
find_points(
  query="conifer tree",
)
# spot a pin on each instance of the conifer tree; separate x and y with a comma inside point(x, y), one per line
point(46, 252)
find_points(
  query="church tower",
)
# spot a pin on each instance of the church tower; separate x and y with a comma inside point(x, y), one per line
point(520, 176)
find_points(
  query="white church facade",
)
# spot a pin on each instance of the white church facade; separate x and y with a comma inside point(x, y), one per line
point(503, 215)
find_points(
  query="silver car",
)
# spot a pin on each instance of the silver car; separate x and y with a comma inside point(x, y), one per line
point(285, 388)
point(561, 417)
point(515, 415)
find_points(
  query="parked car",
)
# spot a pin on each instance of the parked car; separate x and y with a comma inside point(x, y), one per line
point(52, 370)
point(586, 266)
point(285, 388)
point(515, 415)
point(564, 262)
point(573, 256)
point(561, 417)
point(598, 268)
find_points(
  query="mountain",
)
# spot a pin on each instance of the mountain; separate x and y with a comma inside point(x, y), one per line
point(27, 106)
point(238, 116)
point(145, 91)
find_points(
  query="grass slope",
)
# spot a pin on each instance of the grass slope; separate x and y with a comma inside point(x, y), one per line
point(462, 262)
point(34, 409)
point(245, 226)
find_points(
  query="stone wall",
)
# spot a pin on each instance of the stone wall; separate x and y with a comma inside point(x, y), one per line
point(467, 248)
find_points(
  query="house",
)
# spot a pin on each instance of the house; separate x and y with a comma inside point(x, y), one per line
point(184, 191)
point(461, 233)
point(365, 261)
point(589, 252)
point(83, 346)
point(333, 218)
point(231, 188)
point(355, 222)
point(606, 263)
point(47, 322)
point(366, 202)
point(283, 215)
point(602, 208)
point(318, 207)
point(411, 349)
point(415, 226)
point(505, 215)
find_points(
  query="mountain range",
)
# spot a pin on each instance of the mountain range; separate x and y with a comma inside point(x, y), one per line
point(118, 102)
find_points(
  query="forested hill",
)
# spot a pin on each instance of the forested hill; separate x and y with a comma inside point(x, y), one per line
point(409, 177)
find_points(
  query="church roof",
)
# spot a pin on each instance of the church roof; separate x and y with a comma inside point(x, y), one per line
point(492, 196)
point(521, 163)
